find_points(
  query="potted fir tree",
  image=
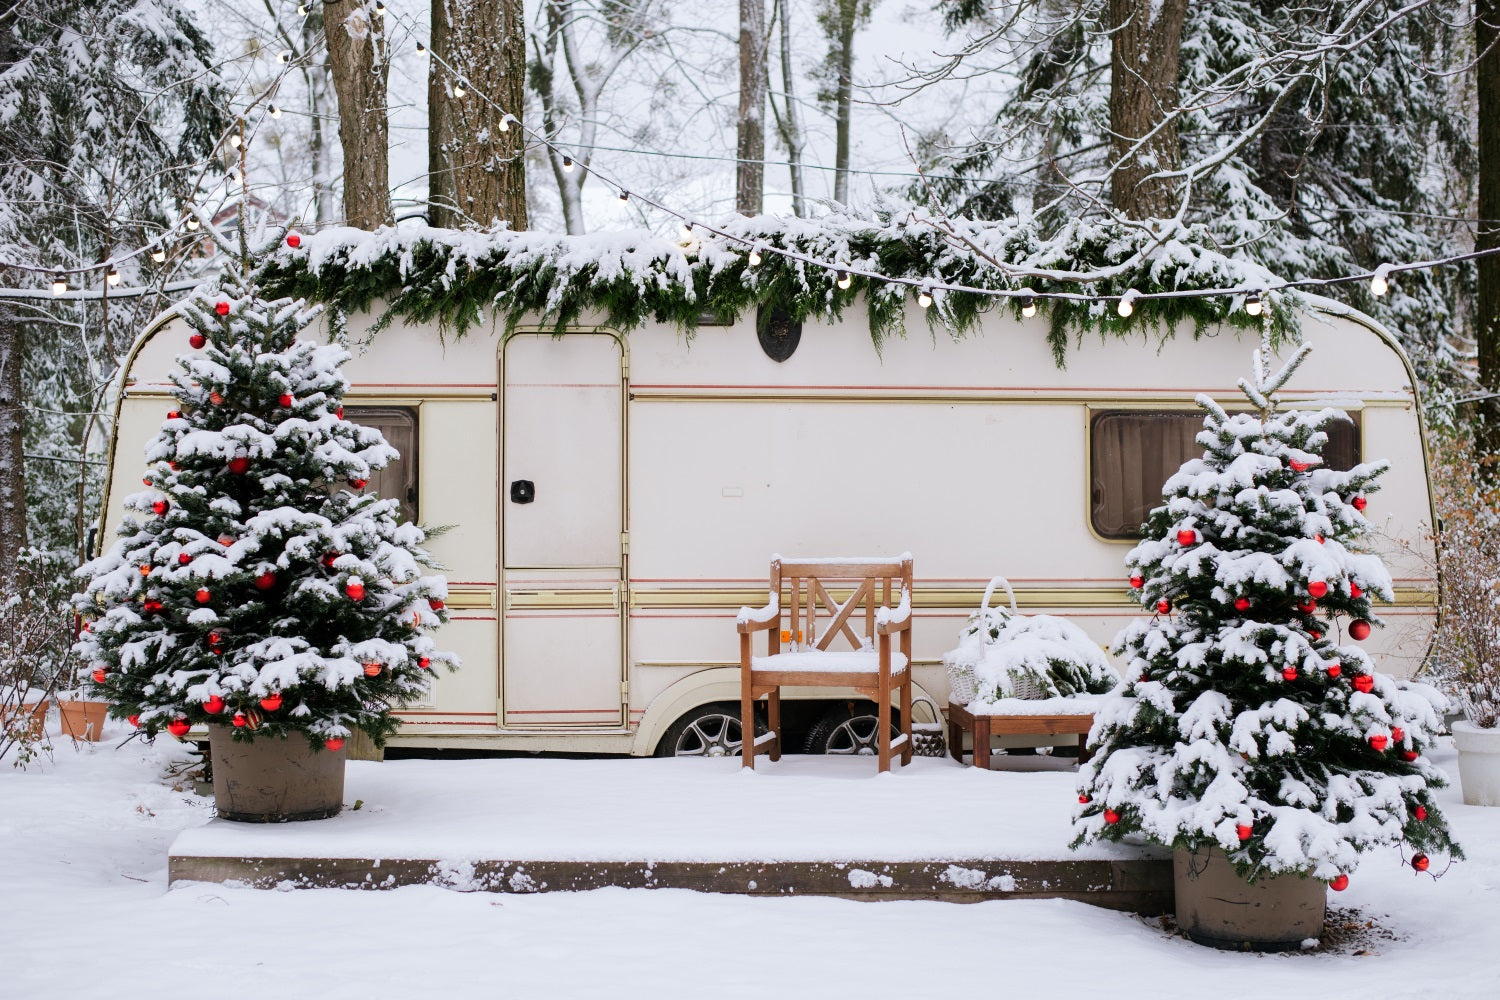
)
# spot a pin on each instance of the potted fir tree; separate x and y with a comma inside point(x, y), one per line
point(261, 591)
point(1248, 738)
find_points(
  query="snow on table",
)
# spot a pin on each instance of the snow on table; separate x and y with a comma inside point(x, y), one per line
point(1078, 704)
point(673, 809)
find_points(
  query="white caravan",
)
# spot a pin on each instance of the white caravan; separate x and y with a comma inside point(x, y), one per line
point(615, 499)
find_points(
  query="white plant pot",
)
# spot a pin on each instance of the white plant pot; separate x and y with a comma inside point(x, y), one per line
point(1478, 763)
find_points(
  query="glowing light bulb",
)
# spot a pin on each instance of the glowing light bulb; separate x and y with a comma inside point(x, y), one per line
point(273, 111)
point(505, 123)
point(1127, 303)
point(1380, 282)
point(458, 89)
point(1028, 306)
point(159, 254)
point(754, 259)
point(624, 195)
point(59, 283)
point(567, 164)
point(845, 279)
point(924, 298)
point(284, 56)
point(236, 141)
point(302, 10)
point(422, 51)
point(685, 233)
point(1253, 304)
point(112, 277)
point(192, 222)
point(380, 8)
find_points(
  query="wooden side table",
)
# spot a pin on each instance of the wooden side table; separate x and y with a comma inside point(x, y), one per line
point(985, 726)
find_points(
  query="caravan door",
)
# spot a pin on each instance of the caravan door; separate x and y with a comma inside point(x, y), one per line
point(563, 531)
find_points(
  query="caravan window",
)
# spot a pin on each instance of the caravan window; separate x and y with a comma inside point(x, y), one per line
point(1132, 453)
point(399, 479)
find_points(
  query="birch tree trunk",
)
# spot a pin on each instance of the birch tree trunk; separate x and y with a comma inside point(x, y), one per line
point(791, 121)
point(848, 14)
point(750, 172)
point(1487, 312)
point(477, 172)
point(1145, 42)
point(12, 458)
point(355, 36)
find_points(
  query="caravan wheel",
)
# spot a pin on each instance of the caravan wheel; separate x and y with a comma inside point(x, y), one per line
point(707, 731)
point(848, 729)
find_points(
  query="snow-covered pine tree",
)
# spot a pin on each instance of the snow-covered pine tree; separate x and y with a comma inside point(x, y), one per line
point(262, 587)
point(1243, 723)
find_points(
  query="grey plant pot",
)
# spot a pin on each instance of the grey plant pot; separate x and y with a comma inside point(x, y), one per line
point(1218, 908)
point(274, 780)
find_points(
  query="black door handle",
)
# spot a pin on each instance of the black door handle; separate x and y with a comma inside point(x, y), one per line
point(522, 491)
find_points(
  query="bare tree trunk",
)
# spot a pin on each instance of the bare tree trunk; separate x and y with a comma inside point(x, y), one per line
point(12, 459)
point(355, 36)
point(1145, 41)
point(848, 15)
point(790, 122)
point(476, 170)
point(750, 172)
point(1487, 310)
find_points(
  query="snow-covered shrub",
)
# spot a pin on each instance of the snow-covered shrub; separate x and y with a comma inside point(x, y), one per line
point(1467, 653)
point(35, 625)
point(1003, 654)
point(259, 585)
point(1244, 724)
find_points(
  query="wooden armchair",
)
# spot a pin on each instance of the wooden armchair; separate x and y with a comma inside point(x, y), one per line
point(797, 644)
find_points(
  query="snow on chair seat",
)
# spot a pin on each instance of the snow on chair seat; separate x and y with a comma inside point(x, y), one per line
point(866, 619)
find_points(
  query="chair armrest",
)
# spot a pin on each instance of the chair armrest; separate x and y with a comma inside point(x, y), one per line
point(897, 619)
point(759, 619)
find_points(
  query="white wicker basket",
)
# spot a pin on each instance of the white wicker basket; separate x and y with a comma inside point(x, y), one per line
point(961, 686)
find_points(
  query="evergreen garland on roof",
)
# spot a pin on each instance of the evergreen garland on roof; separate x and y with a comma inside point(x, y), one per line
point(420, 274)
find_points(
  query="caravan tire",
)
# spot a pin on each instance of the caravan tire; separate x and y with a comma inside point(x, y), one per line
point(848, 729)
point(711, 730)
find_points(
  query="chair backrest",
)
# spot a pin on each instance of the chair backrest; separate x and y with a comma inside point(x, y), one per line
point(814, 614)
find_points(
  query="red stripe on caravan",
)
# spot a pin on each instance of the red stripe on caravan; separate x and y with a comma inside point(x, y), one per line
point(948, 388)
point(423, 385)
point(563, 711)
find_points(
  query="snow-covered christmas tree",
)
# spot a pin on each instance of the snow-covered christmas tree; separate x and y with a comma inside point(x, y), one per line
point(1245, 723)
point(261, 587)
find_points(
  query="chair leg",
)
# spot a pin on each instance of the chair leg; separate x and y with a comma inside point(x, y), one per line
point(883, 728)
point(747, 728)
point(906, 748)
point(982, 742)
point(773, 718)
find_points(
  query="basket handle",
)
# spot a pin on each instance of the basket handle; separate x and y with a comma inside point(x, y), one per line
point(984, 605)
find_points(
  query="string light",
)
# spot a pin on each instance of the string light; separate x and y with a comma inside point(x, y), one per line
point(458, 88)
point(1379, 281)
point(624, 195)
point(924, 298)
point(284, 56)
point(685, 234)
point(1253, 304)
point(302, 10)
point(1028, 305)
point(567, 164)
point(422, 51)
point(159, 254)
point(845, 279)
point(235, 140)
point(273, 111)
point(1127, 303)
point(380, 8)
point(112, 278)
point(192, 222)
point(753, 259)
point(59, 283)
point(505, 121)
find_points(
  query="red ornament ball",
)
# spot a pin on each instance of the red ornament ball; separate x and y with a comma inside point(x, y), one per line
point(214, 705)
point(265, 581)
point(339, 412)
point(239, 464)
point(1318, 589)
point(334, 744)
point(197, 341)
point(328, 558)
point(1398, 734)
point(178, 727)
point(159, 507)
point(1244, 831)
point(214, 638)
point(1289, 672)
point(359, 484)
point(1359, 503)
point(1298, 466)
point(239, 720)
point(1137, 581)
point(226, 540)
point(1339, 883)
point(1187, 536)
point(1354, 590)
point(1111, 817)
point(152, 607)
point(294, 241)
point(1164, 606)
point(145, 569)
point(1378, 742)
point(174, 415)
point(1364, 683)
point(424, 662)
point(183, 558)
point(1315, 635)
point(216, 397)
point(284, 401)
point(1420, 862)
point(436, 603)
point(99, 675)
point(1321, 540)
point(271, 702)
point(1083, 799)
point(203, 596)
point(1307, 607)
point(1420, 812)
point(1334, 669)
point(1242, 604)
point(134, 720)
point(355, 589)
point(221, 307)
point(1359, 629)
point(372, 670)
point(1408, 755)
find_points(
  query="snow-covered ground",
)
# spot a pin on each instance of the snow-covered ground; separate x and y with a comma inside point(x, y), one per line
point(85, 910)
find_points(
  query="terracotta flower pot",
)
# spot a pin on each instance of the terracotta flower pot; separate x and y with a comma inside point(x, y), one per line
point(27, 720)
point(1478, 763)
point(274, 780)
point(83, 720)
point(1216, 907)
